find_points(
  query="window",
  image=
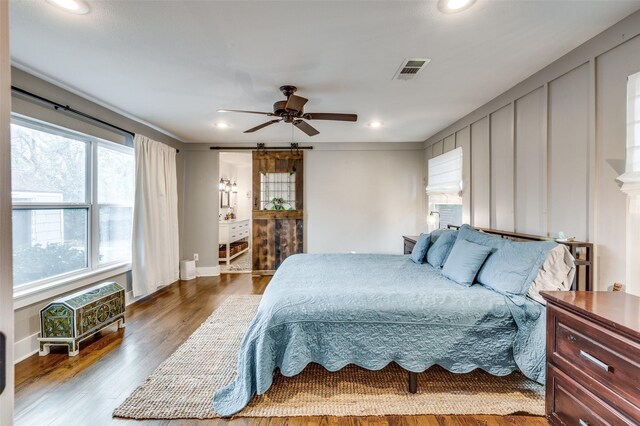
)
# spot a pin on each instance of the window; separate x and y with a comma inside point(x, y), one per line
point(72, 202)
point(277, 191)
point(633, 124)
point(444, 189)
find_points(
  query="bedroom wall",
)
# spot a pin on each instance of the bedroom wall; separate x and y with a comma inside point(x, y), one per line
point(358, 197)
point(363, 197)
point(27, 315)
point(201, 211)
point(544, 156)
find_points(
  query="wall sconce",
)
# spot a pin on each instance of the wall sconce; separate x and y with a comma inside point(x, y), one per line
point(226, 186)
point(434, 217)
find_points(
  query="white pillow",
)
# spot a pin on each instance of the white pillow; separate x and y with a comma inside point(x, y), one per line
point(555, 274)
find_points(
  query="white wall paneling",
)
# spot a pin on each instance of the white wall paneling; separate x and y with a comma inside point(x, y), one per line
point(449, 143)
point(502, 176)
point(481, 173)
point(437, 149)
point(552, 155)
point(531, 163)
point(463, 140)
point(569, 153)
point(428, 154)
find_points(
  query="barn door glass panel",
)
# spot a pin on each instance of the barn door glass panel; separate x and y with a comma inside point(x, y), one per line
point(277, 191)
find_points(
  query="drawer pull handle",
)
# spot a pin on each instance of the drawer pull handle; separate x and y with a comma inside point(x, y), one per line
point(582, 423)
point(595, 360)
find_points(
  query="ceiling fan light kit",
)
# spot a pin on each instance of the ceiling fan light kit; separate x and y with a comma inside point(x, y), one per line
point(454, 6)
point(291, 110)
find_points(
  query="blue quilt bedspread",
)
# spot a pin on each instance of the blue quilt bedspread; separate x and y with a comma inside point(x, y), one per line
point(370, 310)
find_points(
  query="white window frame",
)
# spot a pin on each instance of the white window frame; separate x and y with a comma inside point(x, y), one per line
point(445, 184)
point(49, 287)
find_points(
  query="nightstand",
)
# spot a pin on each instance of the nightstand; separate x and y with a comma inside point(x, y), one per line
point(409, 242)
point(593, 358)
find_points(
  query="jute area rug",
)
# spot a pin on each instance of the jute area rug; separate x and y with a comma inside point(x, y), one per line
point(183, 386)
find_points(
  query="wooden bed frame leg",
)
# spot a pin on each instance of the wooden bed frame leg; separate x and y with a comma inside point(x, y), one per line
point(413, 382)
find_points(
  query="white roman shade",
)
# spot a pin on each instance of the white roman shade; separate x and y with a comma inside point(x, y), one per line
point(445, 174)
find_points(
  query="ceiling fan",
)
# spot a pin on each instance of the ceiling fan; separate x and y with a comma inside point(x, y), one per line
point(291, 111)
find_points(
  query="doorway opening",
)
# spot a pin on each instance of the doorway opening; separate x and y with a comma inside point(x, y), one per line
point(235, 201)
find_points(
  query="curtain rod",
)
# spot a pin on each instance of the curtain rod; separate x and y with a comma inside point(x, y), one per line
point(262, 147)
point(66, 108)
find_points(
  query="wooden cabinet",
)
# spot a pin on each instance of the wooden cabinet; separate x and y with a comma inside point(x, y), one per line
point(593, 358)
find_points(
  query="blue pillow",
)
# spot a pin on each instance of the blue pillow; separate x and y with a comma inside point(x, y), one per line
point(419, 252)
point(468, 233)
point(511, 269)
point(438, 252)
point(437, 232)
point(512, 265)
point(464, 261)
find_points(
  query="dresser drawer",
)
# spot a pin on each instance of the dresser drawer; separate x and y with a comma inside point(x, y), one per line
point(569, 403)
point(595, 354)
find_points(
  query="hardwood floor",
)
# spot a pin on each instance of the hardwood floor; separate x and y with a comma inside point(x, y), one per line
point(84, 390)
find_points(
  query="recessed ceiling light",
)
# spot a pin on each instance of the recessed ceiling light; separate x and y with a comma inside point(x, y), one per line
point(375, 124)
point(79, 7)
point(454, 6)
point(222, 125)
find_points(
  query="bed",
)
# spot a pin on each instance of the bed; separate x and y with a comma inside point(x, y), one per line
point(370, 310)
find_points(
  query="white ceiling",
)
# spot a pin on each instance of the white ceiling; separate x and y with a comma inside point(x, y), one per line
point(174, 63)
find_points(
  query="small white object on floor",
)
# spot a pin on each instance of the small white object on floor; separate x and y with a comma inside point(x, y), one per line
point(187, 270)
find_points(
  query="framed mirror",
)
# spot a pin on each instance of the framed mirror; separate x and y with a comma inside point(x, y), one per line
point(224, 199)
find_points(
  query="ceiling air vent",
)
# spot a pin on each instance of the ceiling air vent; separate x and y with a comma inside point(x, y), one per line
point(410, 68)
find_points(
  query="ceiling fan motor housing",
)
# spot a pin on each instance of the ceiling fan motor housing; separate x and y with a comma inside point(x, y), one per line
point(279, 108)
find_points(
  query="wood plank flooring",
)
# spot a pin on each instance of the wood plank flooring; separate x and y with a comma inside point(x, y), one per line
point(85, 389)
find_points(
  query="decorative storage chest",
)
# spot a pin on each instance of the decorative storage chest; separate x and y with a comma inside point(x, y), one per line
point(72, 319)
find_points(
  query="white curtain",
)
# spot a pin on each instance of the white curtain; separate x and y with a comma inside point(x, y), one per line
point(156, 259)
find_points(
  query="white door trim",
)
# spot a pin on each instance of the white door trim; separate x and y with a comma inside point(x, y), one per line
point(6, 275)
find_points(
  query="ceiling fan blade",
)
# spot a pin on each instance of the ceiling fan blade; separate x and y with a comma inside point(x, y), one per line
point(305, 127)
point(295, 103)
point(263, 125)
point(330, 116)
point(247, 112)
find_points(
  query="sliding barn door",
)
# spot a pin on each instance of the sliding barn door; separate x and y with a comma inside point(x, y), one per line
point(277, 208)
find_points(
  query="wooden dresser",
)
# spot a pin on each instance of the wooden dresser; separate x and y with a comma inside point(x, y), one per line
point(593, 358)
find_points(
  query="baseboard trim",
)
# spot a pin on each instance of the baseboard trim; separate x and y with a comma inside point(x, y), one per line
point(23, 349)
point(208, 271)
